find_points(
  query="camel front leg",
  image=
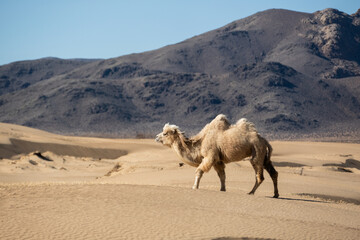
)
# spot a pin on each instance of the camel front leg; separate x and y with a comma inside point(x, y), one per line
point(198, 175)
point(205, 166)
point(220, 169)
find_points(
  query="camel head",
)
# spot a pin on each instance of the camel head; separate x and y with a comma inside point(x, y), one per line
point(169, 135)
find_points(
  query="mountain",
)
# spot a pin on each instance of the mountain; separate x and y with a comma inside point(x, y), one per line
point(291, 73)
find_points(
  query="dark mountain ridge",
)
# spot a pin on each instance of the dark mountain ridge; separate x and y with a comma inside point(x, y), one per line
point(291, 73)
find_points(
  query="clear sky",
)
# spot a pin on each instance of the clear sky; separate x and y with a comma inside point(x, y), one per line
point(31, 29)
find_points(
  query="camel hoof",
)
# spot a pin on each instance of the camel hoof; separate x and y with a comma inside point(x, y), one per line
point(250, 193)
point(223, 190)
point(276, 196)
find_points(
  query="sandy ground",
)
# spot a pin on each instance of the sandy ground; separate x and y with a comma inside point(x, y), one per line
point(60, 187)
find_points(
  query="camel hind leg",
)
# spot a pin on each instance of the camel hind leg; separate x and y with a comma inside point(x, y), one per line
point(274, 176)
point(259, 176)
point(270, 168)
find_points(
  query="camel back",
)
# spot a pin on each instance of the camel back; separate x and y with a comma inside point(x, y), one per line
point(221, 123)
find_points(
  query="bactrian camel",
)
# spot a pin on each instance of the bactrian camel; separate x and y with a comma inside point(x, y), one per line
point(219, 143)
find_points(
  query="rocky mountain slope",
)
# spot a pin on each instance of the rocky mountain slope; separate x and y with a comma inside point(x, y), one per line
point(291, 73)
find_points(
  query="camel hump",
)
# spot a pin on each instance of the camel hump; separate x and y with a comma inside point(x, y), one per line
point(241, 121)
point(245, 125)
point(221, 117)
point(220, 122)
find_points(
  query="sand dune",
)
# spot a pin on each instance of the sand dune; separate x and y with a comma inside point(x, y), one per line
point(61, 187)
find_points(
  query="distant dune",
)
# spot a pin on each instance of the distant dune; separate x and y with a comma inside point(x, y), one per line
point(61, 187)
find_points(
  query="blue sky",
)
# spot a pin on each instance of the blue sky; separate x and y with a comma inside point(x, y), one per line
point(32, 29)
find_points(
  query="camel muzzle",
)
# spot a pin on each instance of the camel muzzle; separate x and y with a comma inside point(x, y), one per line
point(158, 138)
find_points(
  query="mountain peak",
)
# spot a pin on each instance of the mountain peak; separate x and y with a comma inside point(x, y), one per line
point(331, 15)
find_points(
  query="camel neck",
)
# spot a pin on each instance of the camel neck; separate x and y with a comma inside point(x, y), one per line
point(186, 151)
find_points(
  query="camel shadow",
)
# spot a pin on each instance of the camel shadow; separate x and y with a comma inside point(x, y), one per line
point(300, 200)
point(242, 238)
point(321, 198)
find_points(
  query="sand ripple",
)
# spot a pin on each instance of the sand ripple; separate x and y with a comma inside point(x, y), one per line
point(111, 211)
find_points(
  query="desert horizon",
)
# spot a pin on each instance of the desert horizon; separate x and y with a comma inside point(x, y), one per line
point(61, 187)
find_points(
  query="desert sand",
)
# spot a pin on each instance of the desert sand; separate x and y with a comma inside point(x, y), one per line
point(62, 187)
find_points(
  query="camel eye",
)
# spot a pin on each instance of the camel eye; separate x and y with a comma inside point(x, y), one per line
point(165, 134)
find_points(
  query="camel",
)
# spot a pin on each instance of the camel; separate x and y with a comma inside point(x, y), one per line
point(219, 143)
